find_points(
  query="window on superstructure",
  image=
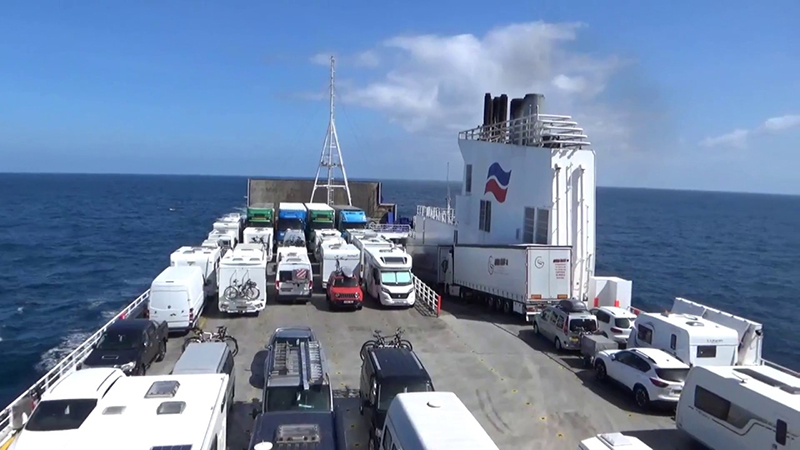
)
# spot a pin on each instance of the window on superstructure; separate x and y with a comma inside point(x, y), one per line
point(468, 179)
point(529, 225)
point(542, 232)
point(485, 218)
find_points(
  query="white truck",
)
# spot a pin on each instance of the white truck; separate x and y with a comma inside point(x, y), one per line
point(522, 279)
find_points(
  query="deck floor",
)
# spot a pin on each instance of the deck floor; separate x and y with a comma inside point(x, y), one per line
point(524, 394)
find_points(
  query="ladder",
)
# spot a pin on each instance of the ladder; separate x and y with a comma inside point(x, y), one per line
point(301, 358)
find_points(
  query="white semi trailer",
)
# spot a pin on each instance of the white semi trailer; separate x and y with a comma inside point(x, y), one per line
point(521, 279)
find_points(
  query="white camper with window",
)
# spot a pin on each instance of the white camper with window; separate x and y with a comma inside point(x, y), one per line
point(225, 239)
point(169, 412)
point(338, 253)
point(261, 236)
point(243, 280)
point(369, 240)
point(432, 420)
point(742, 407)
point(692, 339)
point(320, 236)
point(177, 297)
point(387, 275)
point(206, 258)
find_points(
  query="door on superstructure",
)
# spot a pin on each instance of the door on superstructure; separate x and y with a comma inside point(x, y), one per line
point(445, 266)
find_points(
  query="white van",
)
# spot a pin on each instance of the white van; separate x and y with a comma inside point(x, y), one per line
point(243, 280)
point(320, 236)
point(260, 235)
point(294, 278)
point(337, 252)
point(692, 339)
point(206, 258)
point(387, 276)
point(742, 407)
point(432, 420)
point(177, 297)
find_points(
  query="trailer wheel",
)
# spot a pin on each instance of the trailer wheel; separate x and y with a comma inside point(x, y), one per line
point(507, 306)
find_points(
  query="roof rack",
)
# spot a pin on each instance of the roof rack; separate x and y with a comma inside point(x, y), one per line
point(301, 359)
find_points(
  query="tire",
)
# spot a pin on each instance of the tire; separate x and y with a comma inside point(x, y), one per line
point(140, 371)
point(641, 397)
point(232, 343)
point(252, 293)
point(535, 327)
point(406, 344)
point(558, 345)
point(507, 306)
point(600, 371)
point(365, 348)
point(230, 293)
point(189, 341)
point(162, 351)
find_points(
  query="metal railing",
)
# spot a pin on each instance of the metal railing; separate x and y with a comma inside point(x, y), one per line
point(64, 367)
point(446, 215)
point(429, 302)
point(537, 130)
point(390, 227)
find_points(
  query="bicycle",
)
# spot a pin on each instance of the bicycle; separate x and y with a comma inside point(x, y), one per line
point(247, 290)
point(380, 342)
point(221, 335)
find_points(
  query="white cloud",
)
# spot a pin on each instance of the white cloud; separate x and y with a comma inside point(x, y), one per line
point(738, 138)
point(367, 59)
point(436, 82)
point(323, 59)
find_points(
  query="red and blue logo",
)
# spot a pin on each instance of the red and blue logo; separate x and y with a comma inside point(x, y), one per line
point(497, 182)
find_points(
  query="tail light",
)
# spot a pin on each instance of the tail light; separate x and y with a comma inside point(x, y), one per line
point(277, 284)
point(310, 285)
point(146, 313)
point(191, 314)
point(658, 383)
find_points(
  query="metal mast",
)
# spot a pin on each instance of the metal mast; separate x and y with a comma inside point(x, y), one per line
point(331, 153)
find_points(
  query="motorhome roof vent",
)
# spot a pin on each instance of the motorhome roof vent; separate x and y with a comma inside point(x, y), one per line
point(695, 323)
point(298, 433)
point(171, 408)
point(434, 404)
point(113, 410)
point(163, 389)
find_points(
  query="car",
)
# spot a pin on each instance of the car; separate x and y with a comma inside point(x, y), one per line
point(132, 345)
point(652, 375)
point(344, 291)
point(563, 324)
point(614, 323)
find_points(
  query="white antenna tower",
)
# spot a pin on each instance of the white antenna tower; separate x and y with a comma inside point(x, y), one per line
point(331, 153)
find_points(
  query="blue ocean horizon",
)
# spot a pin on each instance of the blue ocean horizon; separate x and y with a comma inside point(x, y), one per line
point(76, 248)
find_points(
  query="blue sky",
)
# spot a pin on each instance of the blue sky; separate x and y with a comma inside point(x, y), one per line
point(692, 95)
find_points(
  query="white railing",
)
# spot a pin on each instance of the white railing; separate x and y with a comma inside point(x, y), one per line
point(390, 227)
point(428, 301)
point(64, 367)
point(538, 130)
point(446, 215)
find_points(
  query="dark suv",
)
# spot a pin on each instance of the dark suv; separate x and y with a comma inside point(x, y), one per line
point(386, 372)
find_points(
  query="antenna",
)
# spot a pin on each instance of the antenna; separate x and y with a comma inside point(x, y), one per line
point(331, 153)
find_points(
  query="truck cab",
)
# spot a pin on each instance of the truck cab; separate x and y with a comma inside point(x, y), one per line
point(349, 218)
point(320, 217)
point(291, 216)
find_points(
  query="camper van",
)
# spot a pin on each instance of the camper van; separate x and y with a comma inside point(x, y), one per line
point(206, 258)
point(294, 278)
point(320, 236)
point(169, 412)
point(243, 280)
point(177, 297)
point(262, 236)
point(742, 407)
point(692, 339)
point(387, 275)
point(336, 253)
point(431, 420)
point(368, 239)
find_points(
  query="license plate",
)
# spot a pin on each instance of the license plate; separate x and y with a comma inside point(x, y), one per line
point(348, 302)
point(286, 289)
point(574, 339)
point(677, 391)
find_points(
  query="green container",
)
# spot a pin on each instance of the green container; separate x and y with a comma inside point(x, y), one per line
point(260, 215)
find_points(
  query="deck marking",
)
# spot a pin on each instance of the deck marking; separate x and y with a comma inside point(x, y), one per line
point(543, 418)
point(561, 435)
point(8, 442)
point(202, 322)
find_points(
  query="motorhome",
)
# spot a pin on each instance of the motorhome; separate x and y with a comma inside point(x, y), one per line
point(233, 223)
point(226, 240)
point(387, 276)
point(291, 216)
point(432, 420)
point(335, 254)
point(243, 280)
point(293, 241)
point(177, 297)
point(206, 258)
point(368, 239)
point(171, 412)
point(692, 339)
point(742, 407)
point(262, 236)
point(320, 236)
point(294, 278)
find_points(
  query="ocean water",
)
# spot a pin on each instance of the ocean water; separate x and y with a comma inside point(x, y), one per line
point(75, 249)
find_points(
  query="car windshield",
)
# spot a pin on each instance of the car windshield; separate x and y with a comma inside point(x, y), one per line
point(396, 278)
point(285, 224)
point(390, 388)
point(354, 225)
point(293, 240)
point(345, 282)
point(294, 398)
point(582, 325)
point(120, 340)
point(622, 322)
point(57, 415)
point(676, 375)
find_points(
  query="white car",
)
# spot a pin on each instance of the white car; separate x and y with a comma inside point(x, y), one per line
point(614, 323)
point(651, 374)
